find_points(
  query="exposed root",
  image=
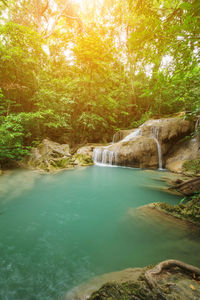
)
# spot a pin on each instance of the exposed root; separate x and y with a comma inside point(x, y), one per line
point(149, 275)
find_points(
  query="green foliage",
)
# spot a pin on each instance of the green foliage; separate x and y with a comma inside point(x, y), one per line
point(110, 75)
point(189, 211)
point(192, 166)
point(166, 29)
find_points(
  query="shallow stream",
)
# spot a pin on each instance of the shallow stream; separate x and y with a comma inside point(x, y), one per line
point(57, 231)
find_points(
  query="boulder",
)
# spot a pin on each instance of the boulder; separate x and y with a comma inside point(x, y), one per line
point(182, 151)
point(147, 146)
point(87, 150)
point(141, 153)
point(167, 129)
point(48, 156)
point(82, 160)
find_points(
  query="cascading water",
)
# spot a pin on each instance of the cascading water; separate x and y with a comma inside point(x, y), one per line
point(197, 124)
point(136, 133)
point(155, 135)
point(97, 155)
point(196, 133)
point(117, 137)
point(102, 156)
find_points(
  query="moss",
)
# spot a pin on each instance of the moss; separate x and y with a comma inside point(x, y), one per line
point(84, 160)
point(62, 163)
point(192, 166)
point(189, 211)
point(123, 291)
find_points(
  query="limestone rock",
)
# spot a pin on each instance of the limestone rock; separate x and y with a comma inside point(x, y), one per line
point(168, 129)
point(84, 290)
point(142, 147)
point(181, 152)
point(86, 150)
point(169, 280)
point(140, 153)
point(48, 156)
point(120, 135)
point(83, 160)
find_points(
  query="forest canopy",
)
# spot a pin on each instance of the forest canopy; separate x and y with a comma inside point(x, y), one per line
point(77, 71)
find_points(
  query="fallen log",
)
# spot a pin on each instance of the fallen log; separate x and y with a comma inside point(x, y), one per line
point(189, 187)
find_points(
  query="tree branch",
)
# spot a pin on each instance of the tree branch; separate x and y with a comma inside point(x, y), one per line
point(45, 8)
point(62, 14)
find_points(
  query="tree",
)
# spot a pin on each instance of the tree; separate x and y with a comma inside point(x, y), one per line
point(43, 15)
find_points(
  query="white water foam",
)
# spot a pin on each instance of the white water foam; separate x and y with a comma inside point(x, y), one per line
point(104, 157)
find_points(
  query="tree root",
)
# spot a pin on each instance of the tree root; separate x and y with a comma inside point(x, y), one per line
point(149, 275)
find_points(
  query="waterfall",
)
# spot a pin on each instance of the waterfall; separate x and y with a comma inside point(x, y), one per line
point(196, 133)
point(197, 124)
point(117, 137)
point(136, 133)
point(105, 157)
point(102, 156)
point(115, 155)
point(97, 155)
point(155, 134)
point(111, 157)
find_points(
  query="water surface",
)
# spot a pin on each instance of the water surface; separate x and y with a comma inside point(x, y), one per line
point(59, 230)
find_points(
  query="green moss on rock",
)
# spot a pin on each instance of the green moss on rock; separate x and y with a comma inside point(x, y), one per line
point(83, 160)
point(189, 211)
point(192, 166)
point(124, 291)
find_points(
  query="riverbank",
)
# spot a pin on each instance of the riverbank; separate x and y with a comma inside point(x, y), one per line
point(173, 282)
point(166, 213)
point(187, 210)
point(168, 280)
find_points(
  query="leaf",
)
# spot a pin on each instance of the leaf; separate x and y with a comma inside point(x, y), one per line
point(185, 6)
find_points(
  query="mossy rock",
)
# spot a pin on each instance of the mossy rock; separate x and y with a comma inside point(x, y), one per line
point(123, 291)
point(83, 160)
point(62, 163)
point(170, 279)
point(192, 166)
point(189, 211)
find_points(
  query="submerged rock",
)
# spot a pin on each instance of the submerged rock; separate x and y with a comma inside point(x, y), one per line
point(83, 291)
